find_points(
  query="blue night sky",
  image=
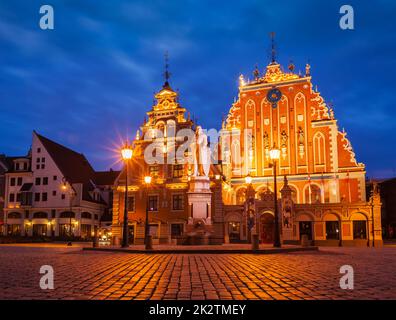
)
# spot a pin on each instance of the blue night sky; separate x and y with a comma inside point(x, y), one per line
point(90, 81)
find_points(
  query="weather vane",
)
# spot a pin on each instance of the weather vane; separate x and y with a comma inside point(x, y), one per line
point(273, 52)
point(166, 73)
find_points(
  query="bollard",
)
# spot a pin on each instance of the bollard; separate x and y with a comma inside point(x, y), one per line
point(255, 242)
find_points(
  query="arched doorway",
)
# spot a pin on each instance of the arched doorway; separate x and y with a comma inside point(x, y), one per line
point(305, 225)
point(360, 226)
point(267, 227)
point(233, 227)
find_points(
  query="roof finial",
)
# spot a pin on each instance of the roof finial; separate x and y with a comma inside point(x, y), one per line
point(166, 73)
point(273, 52)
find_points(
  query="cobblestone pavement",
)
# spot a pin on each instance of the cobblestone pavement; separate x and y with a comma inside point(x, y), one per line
point(102, 275)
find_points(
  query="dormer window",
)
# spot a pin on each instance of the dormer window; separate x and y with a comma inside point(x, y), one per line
point(21, 165)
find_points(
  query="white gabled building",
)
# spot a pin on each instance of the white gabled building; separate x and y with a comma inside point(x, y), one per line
point(52, 190)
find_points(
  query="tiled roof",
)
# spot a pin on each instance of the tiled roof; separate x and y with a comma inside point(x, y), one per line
point(106, 178)
point(8, 162)
point(74, 166)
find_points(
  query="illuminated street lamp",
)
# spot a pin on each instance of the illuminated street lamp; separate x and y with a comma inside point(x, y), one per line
point(248, 179)
point(147, 182)
point(126, 153)
point(64, 187)
point(274, 155)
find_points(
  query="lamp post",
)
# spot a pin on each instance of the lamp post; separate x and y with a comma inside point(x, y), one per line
point(147, 181)
point(250, 218)
point(71, 195)
point(274, 155)
point(126, 153)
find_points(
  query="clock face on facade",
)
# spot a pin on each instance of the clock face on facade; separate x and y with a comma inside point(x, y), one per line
point(274, 95)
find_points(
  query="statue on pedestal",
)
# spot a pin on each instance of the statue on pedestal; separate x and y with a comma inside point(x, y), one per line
point(201, 154)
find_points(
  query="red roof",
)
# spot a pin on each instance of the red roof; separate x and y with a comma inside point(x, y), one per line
point(74, 166)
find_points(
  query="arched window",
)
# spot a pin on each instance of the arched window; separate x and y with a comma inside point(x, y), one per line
point(319, 149)
point(236, 153)
point(14, 215)
point(171, 128)
point(86, 215)
point(67, 214)
point(294, 193)
point(313, 194)
point(40, 215)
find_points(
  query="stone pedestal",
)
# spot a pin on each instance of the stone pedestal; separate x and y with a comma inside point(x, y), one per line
point(199, 227)
point(287, 234)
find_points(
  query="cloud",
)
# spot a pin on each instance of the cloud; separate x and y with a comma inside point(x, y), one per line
point(140, 71)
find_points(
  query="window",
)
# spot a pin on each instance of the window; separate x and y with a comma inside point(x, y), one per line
point(86, 231)
point(19, 181)
point(67, 214)
point(25, 166)
point(17, 166)
point(45, 181)
point(14, 215)
point(42, 159)
point(131, 203)
point(176, 230)
point(14, 229)
point(44, 196)
point(177, 202)
point(55, 178)
point(153, 230)
point(40, 215)
point(12, 197)
point(153, 203)
point(53, 213)
point(332, 230)
point(38, 181)
point(96, 217)
point(43, 166)
point(38, 150)
point(12, 182)
point(38, 160)
point(54, 193)
point(313, 194)
point(63, 197)
point(153, 171)
point(39, 230)
point(359, 229)
point(64, 230)
point(86, 215)
point(38, 167)
point(178, 171)
point(37, 196)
